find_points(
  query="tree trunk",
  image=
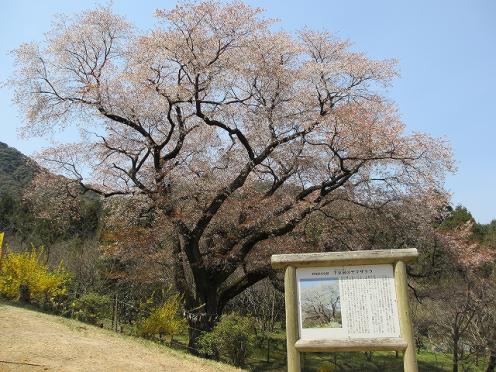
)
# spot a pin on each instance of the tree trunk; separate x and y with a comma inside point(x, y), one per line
point(368, 356)
point(456, 340)
point(491, 365)
point(197, 325)
point(204, 316)
point(268, 349)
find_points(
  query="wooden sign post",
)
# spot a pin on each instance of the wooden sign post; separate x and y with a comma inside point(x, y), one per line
point(347, 301)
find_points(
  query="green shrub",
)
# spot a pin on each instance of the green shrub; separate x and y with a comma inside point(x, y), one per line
point(92, 307)
point(234, 336)
point(23, 276)
point(164, 320)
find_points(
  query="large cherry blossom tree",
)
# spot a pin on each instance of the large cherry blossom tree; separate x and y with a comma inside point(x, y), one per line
point(229, 133)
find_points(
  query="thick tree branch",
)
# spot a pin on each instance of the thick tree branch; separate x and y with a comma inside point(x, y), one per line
point(239, 181)
point(239, 285)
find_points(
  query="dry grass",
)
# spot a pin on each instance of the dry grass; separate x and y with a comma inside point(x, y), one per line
point(33, 341)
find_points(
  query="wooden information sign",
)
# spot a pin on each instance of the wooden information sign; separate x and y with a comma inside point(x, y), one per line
point(347, 301)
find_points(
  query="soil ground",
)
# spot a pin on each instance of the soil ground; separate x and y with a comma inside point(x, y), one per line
point(34, 341)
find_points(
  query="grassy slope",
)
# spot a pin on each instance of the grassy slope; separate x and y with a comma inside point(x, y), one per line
point(54, 343)
point(32, 341)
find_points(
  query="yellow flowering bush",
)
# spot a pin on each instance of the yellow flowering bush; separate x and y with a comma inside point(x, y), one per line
point(164, 320)
point(26, 270)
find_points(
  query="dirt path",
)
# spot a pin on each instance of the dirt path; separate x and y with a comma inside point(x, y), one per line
point(32, 341)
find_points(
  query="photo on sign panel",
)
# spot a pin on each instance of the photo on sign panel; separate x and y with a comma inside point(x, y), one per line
point(320, 303)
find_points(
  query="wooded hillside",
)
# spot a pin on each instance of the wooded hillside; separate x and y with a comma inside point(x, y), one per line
point(16, 171)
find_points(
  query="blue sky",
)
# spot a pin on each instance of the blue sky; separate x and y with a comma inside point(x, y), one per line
point(446, 50)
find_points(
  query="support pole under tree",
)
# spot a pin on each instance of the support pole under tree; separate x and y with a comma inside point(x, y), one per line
point(406, 331)
point(115, 318)
point(290, 299)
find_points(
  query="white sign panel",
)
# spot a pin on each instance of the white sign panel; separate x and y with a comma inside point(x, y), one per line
point(347, 302)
